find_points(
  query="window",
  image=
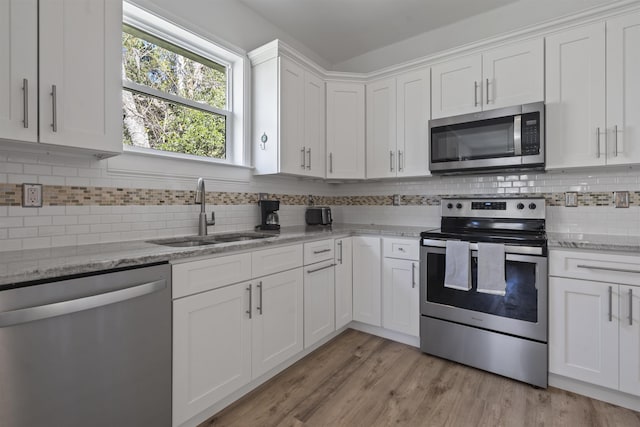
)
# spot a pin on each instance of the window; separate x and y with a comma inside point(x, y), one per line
point(178, 91)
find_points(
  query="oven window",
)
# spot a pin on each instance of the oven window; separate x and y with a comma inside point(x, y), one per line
point(520, 301)
point(478, 140)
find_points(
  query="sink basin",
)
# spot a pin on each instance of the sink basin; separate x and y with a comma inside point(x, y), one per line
point(190, 241)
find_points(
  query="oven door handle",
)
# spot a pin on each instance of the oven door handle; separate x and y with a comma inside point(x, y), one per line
point(509, 249)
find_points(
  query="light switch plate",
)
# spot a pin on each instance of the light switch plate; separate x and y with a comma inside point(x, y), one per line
point(396, 200)
point(31, 195)
point(621, 199)
point(571, 199)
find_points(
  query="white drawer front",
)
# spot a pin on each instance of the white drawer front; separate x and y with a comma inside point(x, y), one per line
point(269, 261)
point(597, 266)
point(401, 248)
point(199, 276)
point(318, 251)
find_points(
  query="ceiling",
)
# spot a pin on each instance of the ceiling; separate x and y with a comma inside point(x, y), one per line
point(338, 30)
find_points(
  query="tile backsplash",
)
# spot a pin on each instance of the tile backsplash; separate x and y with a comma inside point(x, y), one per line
point(85, 202)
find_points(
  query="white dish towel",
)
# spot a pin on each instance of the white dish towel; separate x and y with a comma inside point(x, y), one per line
point(491, 269)
point(457, 273)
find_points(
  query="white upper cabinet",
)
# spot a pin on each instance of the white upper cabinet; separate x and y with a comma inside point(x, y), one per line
point(508, 75)
point(575, 97)
point(623, 90)
point(288, 116)
point(398, 111)
point(19, 70)
point(382, 160)
point(345, 131)
point(80, 74)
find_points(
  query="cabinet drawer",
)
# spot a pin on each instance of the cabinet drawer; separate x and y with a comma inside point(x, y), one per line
point(401, 248)
point(269, 261)
point(198, 276)
point(318, 251)
point(596, 266)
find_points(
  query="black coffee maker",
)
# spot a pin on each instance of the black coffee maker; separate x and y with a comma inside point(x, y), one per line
point(269, 215)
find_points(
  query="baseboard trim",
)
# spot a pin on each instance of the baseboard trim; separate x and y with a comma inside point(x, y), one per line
point(595, 392)
point(385, 333)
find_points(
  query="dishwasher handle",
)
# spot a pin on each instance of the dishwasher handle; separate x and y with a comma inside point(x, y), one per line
point(30, 314)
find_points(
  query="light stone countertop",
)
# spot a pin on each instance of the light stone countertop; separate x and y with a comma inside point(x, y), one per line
point(595, 242)
point(42, 264)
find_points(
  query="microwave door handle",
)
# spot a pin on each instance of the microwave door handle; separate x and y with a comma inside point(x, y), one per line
point(517, 135)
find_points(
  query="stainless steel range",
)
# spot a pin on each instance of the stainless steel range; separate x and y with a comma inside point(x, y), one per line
point(483, 287)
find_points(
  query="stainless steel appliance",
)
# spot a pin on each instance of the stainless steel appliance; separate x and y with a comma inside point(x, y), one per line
point(88, 351)
point(318, 215)
point(503, 139)
point(269, 215)
point(501, 333)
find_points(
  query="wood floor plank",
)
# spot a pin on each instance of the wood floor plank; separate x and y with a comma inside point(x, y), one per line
point(361, 380)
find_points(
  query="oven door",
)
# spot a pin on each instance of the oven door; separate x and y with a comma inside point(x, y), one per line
point(522, 311)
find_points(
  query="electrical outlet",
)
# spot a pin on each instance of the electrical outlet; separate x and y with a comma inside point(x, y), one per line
point(396, 200)
point(32, 195)
point(263, 196)
point(621, 199)
point(310, 201)
point(571, 199)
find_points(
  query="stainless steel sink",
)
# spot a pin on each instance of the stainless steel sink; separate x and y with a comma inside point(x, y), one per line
point(190, 241)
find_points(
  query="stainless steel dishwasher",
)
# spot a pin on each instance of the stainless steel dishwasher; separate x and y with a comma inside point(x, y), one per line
point(87, 351)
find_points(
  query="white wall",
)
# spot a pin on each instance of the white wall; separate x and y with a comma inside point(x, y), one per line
point(495, 22)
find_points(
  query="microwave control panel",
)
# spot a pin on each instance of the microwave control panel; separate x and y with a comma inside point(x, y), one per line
point(530, 134)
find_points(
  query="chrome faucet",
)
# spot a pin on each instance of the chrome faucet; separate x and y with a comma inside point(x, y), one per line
point(203, 222)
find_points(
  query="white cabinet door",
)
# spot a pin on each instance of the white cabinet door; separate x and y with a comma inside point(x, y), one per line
point(456, 87)
point(513, 74)
point(367, 280)
point(630, 339)
point(400, 296)
point(277, 324)
point(80, 74)
point(413, 114)
point(344, 281)
point(623, 90)
point(292, 152)
point(382, 158)
point(575, 97)
point(314, 125)
point(583, 330)
point(19, 70)
point(345, 131)
point(319, 301)
point(211, 348)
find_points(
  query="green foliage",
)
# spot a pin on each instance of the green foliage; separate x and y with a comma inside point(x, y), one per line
point(171, 126)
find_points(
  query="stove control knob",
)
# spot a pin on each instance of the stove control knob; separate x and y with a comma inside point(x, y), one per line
point(532, 206)
point(459, 205)
point(449, 205)
point(520, 206)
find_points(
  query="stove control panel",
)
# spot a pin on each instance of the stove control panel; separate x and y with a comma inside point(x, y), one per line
point(531, 208)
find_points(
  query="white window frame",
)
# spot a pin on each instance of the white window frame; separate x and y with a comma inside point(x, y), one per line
point(235, 150)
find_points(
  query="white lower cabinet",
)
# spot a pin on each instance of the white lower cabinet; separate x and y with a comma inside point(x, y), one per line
point(344, 281)
point(319, 301)
point(367, 280)
point(594, 332)
point(400, 296)
point(211, 348)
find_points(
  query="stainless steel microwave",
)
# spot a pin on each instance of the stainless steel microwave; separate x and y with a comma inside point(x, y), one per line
point(509, 138)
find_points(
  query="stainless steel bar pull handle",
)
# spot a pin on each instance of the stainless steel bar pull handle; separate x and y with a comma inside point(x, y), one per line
point(475, 94)
point(24, 315)
point(309, 162)
point(391, 161)
point(259, 307)
point(413, 275)
point(54, 101)
point(302, 165)
point(619, 270)
point(340, 252)
point(25, 104)
point(250, 300)
point(330, 162)
point(630, 307)
point(487, 92)
point(610, 303)
point(615, 141)
point(597, 143)
point(321, 268)
point(322, 251)
point(400, 161)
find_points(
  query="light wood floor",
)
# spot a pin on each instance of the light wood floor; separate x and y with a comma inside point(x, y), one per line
point(362, 380)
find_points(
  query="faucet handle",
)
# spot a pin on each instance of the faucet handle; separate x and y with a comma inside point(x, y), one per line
point(213, 219)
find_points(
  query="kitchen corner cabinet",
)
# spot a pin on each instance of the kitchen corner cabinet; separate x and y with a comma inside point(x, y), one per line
point(344, 281)
point(289, 114)
point(593, 94)
point(398, 111)
point(367, 286)
point(400, 286)
point(78, 90)
point(594, 305)
point(345, 130)
point(512, 74)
